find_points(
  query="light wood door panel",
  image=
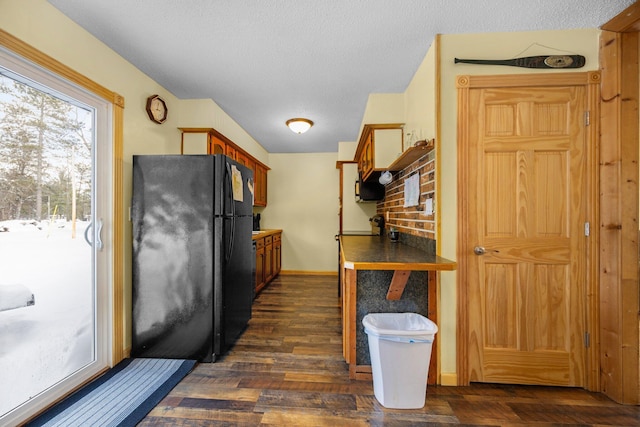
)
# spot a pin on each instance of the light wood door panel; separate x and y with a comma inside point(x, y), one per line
point(527, 210)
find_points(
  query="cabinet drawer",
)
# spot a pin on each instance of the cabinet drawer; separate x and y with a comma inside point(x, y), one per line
point(268, 240)
point(259, 243)
point(276, 237)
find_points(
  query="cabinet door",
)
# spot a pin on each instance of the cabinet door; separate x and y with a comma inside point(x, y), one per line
point(367, 156)
point(363, 159)
point(242, 158)
point(260, 261)
point(217, 145)
point(230, 152)
point(277, 254)
point(260, 182)
point(268, 259)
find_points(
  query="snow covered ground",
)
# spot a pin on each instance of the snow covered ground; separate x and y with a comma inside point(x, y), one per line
point(43, 343)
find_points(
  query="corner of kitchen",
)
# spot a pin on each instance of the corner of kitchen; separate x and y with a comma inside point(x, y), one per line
point(388, 261)
point(392, 267)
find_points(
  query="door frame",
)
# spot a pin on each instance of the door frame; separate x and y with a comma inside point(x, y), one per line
point(591, 82)
point(619, 275)
point(116, 100)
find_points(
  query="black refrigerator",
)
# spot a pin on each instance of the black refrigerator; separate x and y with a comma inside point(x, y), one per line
point(192, 263)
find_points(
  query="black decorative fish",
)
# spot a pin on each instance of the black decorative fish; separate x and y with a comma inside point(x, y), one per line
point(542, 61)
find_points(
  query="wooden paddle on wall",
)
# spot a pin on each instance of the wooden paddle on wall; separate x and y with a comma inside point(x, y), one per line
point(541, 61)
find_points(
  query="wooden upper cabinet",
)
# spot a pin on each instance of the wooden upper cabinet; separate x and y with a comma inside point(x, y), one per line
point(230, 151)
point(210, 141)
point(243, 159)
point(260, 185)
point(217, 146)
point(379, 146)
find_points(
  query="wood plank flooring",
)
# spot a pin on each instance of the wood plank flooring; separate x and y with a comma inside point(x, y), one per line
point(287, 370)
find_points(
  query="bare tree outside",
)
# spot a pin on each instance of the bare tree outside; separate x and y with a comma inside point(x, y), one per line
point(45, 156)
point(47, 286)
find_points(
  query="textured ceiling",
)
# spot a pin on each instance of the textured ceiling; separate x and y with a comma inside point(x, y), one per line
point(265, 61)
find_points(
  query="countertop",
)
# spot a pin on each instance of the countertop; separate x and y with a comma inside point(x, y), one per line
point(264, 233)
point(380, 253)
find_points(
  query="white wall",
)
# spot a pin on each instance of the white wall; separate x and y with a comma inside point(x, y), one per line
point(303, 202)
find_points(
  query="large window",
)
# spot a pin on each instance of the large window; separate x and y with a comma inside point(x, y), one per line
point(55, 249)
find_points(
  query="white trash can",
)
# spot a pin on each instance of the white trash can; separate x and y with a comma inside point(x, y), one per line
point(400, 349)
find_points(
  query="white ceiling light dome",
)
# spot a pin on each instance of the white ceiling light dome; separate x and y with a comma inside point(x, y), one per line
point(299, 125)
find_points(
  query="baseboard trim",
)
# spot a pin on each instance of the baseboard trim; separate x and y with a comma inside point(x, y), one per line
point(308, 273)
point(450, 379)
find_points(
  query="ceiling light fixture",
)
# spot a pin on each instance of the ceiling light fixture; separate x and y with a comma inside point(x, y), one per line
point(299, 125)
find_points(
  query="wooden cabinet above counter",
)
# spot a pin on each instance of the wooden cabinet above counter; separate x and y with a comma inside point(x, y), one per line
point(378, 147)
point(210, 141)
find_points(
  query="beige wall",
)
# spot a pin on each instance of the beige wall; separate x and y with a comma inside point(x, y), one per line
point(205, 113)
point(420, 101)
point(303, 202)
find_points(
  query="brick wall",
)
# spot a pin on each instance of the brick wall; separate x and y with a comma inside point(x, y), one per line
point(411, 220)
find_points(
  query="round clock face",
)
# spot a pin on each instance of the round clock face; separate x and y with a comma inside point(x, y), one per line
point(156, 109)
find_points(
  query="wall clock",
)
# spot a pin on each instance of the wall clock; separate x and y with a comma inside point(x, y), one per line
point(157, 109)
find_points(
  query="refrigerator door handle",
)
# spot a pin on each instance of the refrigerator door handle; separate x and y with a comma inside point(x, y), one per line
point(228, 179)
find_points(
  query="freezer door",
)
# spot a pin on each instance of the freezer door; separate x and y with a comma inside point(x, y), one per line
point(234, 186)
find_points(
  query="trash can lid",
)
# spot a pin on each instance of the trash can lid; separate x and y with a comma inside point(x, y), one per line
point(398, 324)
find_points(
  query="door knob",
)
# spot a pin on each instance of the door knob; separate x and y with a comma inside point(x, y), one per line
point(480, 250)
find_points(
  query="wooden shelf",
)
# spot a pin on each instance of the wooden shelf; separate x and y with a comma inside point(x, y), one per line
point(411, 155)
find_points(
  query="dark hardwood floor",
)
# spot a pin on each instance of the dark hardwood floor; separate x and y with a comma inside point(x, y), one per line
point(287, 370)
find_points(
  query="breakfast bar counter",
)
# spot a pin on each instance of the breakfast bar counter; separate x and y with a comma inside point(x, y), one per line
point(379, 275)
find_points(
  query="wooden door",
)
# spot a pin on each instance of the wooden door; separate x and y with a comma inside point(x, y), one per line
point(526, 243)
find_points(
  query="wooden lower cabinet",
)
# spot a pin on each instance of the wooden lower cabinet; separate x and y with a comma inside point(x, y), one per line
point(259, 264)
point(268, 257)
point(277, 254)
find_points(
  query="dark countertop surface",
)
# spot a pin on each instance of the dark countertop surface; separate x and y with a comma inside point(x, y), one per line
point(380, 253)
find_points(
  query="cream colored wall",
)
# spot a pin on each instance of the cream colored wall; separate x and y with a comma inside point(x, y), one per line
point(383, 108)
point(205, 113)
point(303, 202)
point(420, 101)
point(484, 46)
point(347, 150)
